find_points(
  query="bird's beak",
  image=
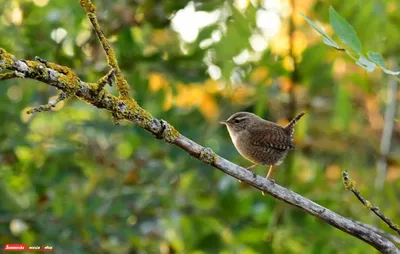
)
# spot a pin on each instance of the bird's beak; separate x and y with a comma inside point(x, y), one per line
point(223, 122)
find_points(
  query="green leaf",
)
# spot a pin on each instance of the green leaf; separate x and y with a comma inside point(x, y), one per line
point(366, 64)
point(331, 43)
point(345, 31)
point(326, 38)
point(377, 58)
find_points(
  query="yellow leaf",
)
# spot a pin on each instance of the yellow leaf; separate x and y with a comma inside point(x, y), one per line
point(168, 99)
point(280, 44)
point(288, 63)
point(299, 43)
point(211, 86)
point(157, 81)
point(259, 75)
point(188, 95)
point(286, 84)
point(209, 108)
point(333, 172)
point(240, 94)
point(200, 95)
point(160, 37)
point(393, 174)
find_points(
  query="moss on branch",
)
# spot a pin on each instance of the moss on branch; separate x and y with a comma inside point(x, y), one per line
point(6, 59)
point(122, 85)
point(64, 79)
point(350, 184)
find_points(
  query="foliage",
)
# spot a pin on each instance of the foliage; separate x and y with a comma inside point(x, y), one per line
point(71, 179)
point(349, 37)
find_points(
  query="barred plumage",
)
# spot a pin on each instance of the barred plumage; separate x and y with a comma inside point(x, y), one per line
point(261, 141)
point(290, 126)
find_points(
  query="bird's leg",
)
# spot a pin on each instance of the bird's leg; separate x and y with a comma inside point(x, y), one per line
point(252, 167)
point(271, 169)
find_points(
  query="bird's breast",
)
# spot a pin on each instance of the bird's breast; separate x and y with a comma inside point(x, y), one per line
point(243, 145)
point(255, 153)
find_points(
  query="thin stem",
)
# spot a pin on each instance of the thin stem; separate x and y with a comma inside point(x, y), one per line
point(122, 84)
point(350, 184)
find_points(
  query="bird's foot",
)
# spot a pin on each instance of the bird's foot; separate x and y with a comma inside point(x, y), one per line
point(252, 167)
point(272, 181)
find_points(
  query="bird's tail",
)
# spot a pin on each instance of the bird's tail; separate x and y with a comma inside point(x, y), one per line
point(290, 126)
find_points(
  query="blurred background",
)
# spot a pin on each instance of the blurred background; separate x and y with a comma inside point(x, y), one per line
point(71, 179)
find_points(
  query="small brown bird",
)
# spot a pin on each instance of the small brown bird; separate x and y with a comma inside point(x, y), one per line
point(260, 141)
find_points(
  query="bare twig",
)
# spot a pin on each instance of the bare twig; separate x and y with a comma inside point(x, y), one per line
point(350, 184)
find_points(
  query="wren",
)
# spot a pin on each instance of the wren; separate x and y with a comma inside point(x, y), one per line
point(260, 141)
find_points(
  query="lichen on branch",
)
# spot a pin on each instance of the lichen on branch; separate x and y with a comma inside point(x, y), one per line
point(122, 84)
point(350, 184)
point(8, 75)
point(64, 79)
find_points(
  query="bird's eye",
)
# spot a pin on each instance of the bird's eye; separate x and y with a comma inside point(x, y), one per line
point(237, 121)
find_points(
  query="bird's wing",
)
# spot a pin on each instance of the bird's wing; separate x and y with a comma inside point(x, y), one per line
point(273, 136)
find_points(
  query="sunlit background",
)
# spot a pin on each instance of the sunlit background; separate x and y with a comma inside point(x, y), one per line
point(71, 179)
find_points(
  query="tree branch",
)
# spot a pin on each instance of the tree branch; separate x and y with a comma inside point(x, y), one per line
point(127, 108)
point(390, 237)
point(349, 184)
point(8, 75)
point(122, 85)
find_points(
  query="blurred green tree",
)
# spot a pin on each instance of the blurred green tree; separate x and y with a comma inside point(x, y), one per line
point(72, 179)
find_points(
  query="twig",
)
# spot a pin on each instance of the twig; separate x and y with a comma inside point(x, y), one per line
point(122, 84)
point(8, 75)
point(393, 238)
point(46, 107)
point(106, 80)
point(350, 184)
